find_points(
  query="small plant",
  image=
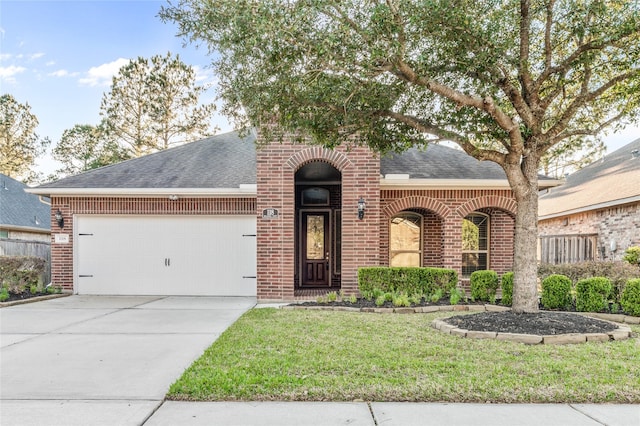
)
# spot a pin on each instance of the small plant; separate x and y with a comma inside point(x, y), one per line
point(388, 297)
point(456, 296)
point(321, 299)
point(507, 289)
point(415, 300)
point(556, 292)
point(380, 300)
point(630, 299)
point(592, 294)
point(33, 289)
point(353, 299)
point(367, 295)
point(4, 294)
point(341, 295)
point(377, 292)
point(632, 255)
point(332, 296)
point(50, 289)
point(436, 296)
point(483, 285)
point(401, 299)
point(614, 308)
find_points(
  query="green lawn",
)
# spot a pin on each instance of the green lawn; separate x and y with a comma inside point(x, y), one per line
point(297, 355)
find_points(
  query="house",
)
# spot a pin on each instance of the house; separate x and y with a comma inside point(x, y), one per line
point(25, 228)
point(232, 215)
point(595, 215)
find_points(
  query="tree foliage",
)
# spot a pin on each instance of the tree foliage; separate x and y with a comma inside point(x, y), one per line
point(20, 146)
point(154, 104)
point(85, 147)
point(506, 80)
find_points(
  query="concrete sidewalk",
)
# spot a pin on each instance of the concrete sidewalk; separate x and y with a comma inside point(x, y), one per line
point(391, 414)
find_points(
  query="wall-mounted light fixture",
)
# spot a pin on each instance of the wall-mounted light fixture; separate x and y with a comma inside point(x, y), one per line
point(173, 197)
point(362, 205)
point(59, 219)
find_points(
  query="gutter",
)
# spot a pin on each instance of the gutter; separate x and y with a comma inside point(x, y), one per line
point(404, 182)
point(248, 190)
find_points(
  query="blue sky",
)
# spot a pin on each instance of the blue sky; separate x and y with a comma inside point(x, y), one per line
point(59, 56)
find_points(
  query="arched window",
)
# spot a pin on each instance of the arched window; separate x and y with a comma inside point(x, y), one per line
point(475, 243)
point(405, 240)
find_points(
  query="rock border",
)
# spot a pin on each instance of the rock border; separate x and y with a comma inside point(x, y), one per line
point(33, 299)
point(623, 331)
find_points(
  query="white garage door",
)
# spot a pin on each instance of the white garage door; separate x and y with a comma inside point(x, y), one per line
point(166, 255)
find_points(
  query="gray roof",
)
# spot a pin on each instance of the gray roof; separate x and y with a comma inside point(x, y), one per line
point(221, 161)
point(228, 160)
point(614, 179)
point(19, 209)
point(440, 162)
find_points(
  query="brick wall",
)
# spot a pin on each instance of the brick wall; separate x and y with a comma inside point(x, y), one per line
point(619, 223)
point(62, 253)
point(443, 211)
point(276, 167)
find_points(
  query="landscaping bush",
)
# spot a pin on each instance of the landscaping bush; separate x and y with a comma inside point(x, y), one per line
point(617, 272)
point(556, 292)
point(592, 294)
point(507, 289)
point(630, 299)
point(632, 256)
point(411, 281)
point(20, 273)
point(484, 285)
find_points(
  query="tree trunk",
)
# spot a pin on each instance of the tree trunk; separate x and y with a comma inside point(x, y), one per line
point(524, 183)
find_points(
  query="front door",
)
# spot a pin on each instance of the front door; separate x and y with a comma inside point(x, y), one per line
point(315, 248)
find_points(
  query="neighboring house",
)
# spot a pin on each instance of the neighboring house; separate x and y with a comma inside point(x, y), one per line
point(595, 215)
point(281, 222)
point(25, 221)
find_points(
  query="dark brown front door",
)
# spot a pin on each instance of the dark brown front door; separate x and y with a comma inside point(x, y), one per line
point(315, 249)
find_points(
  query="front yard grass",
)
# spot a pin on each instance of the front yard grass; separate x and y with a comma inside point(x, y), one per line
point(297, 355)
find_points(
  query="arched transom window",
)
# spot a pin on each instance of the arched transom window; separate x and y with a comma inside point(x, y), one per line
point(405, 240)
point(475, 243)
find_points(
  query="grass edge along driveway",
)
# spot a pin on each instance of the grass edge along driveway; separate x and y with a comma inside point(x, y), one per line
point(298, 355)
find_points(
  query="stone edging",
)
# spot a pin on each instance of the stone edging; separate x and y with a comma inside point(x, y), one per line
point(33, 299)
point(623, 332)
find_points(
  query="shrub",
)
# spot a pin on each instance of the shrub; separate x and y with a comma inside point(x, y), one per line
point(507, 289)
point(4, 294)
point(630, 299)
point(401, 299)
point(484, 285)
point(592, 294)
point(556, 292)
point(19, 273)
point(435, 297)
point(617, 272)
point(456, 296)
point(632, 256)
point(412, 281)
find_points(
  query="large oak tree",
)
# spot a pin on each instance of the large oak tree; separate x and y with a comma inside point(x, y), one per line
point(506, 80)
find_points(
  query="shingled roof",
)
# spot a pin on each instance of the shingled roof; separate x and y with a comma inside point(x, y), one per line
point(613, 180)
point(228, 161)
point(20, 210)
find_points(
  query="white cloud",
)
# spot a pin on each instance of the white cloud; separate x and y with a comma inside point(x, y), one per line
point(63, 73)
point(50, 63)
point(36, 55)
point(5, 56)
point(8, 73)
point(101, 75)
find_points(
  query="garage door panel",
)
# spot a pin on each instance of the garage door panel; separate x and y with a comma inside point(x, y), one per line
point(160, 255)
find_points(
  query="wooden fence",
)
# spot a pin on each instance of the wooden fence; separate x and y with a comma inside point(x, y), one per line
point(28, 248)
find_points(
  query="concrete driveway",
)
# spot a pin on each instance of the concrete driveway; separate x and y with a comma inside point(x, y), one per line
point(97, 360)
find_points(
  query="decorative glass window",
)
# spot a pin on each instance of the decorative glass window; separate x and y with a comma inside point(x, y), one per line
point(405, 240)
point(315, 197)
point(475, 243)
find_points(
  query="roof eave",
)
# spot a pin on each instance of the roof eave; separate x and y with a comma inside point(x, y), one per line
point(20, 228)
point(598, 206)
point(457, 183)
point(248, 190)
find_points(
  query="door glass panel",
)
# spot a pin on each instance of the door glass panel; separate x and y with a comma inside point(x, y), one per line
point(315, 237)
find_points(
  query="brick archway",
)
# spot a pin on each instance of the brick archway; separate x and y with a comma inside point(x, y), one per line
point(426, 203)
point(317, 153)
point(507, 204)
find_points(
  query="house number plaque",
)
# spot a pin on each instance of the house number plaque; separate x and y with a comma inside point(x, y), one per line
point(270, 213)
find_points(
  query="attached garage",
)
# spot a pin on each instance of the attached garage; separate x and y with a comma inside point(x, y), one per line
point(165, 255)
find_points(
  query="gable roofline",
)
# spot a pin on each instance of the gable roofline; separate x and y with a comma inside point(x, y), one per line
point(404, 183)
point(592, 207)
point(248, 190)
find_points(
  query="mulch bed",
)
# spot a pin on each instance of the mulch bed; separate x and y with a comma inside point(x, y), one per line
point(541, 323)
point(25, 295)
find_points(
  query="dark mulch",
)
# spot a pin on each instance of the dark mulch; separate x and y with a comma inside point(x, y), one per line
point(541, 323)
point(546, 323)
point(24, 295)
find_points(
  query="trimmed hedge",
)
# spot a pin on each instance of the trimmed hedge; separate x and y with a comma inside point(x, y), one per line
point(592, 294)
point(632, 255)
point(556, 292)
point(630, 300)
point(484, 285)
point(507, 289)
point(412, 281)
